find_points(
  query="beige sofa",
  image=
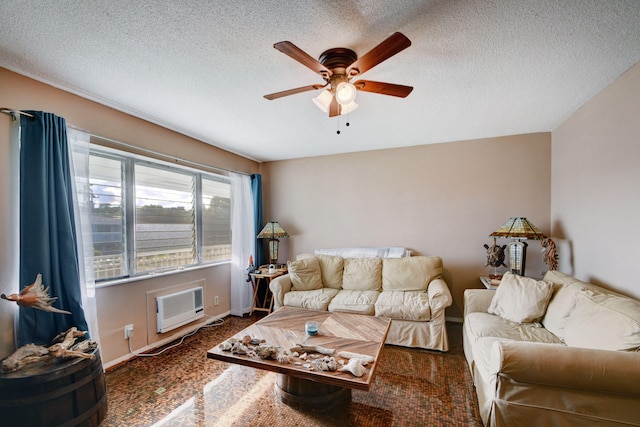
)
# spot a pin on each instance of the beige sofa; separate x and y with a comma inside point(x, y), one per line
point(556, 352)
point(409, 290)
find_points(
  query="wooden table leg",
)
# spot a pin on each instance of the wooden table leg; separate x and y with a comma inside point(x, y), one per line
point(266, 304)
point(254, 284)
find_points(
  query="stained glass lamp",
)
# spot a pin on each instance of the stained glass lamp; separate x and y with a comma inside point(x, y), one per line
point(518, 229)
point(273, 232)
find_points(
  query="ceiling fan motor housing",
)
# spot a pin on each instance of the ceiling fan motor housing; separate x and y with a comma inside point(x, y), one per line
point(337, 60)
point(337, 57)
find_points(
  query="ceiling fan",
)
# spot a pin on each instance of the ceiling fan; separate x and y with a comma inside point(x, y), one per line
point(338, 66)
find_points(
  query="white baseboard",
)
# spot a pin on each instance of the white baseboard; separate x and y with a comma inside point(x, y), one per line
point(163, 341)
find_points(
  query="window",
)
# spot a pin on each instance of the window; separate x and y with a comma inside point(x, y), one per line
point(149, 216)
point(165, 223)
point(216, 220)
point(107, 216)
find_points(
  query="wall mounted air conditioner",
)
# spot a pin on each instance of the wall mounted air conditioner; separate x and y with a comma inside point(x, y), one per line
point(180, 308)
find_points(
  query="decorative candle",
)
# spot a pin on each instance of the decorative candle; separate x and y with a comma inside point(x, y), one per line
point(311, 327)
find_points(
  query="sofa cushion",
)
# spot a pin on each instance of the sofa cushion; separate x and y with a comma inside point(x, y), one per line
point(521, 299)
point(404, 305)
point(562, 301)
point(331, 269)
point(360, 302)
point(410, 273)
point(479, 324)
point(362, 274)
point(305, 274)
point(317, 299)
point(604, 321)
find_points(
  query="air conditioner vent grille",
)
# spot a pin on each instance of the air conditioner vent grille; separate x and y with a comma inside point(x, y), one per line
point(178, 309)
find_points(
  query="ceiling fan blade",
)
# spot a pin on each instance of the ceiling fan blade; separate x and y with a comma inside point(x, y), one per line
point(383, 88)
point(302, 57)
point(277, 95)
point(334, 108)
point(395, 43)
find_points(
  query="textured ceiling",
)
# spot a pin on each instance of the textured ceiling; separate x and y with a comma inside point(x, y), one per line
point(479, 68)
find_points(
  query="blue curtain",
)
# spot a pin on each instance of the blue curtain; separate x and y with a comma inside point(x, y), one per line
point(256, 192)
point(47, 230)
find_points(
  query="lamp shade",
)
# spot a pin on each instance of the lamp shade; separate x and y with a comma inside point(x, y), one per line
point(518, 228)
point(323, 100)
point(346, 109)
point(345, 93)
point(272, 231)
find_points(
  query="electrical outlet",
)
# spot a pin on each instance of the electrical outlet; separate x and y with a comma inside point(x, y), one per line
point(216, 300)
point(128, 331)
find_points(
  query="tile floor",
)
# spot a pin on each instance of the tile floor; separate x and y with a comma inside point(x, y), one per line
point(182, 387)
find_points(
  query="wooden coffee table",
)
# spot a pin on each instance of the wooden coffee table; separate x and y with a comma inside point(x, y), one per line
point(297, 385)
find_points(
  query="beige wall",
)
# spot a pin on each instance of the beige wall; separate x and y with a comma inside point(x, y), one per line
point(595, 192)
point(121, 304)
point(442, 199)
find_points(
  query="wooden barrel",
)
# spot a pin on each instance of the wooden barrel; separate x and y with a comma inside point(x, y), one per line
point(64, 393)
point(309, 395)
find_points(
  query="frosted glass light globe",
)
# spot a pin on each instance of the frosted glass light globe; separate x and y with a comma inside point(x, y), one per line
point(345, 93)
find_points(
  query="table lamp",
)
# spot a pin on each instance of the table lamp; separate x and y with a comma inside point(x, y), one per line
point(272, 231)
point(518, 229)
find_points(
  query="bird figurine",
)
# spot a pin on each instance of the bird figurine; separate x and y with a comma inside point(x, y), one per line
point(35, 296)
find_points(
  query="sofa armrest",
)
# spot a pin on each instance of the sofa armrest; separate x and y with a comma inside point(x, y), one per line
point(477, 300)
point(439, 295)
point(555, 365)
point(280, 286)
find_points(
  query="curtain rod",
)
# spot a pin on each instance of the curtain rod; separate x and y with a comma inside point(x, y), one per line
point(165, 156)
point(14, 114)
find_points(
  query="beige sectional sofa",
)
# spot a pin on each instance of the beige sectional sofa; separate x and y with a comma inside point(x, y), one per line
point(555, 352)
point(409, 290)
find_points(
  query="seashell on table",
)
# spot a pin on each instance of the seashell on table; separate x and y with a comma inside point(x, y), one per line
point(354, 366)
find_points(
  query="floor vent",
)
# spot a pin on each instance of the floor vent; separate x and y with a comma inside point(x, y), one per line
point(180, 308)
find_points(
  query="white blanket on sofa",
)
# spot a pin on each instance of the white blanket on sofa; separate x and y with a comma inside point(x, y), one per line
point(379, 252)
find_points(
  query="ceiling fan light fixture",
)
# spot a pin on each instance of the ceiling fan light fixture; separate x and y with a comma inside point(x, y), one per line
point(346, 109)
point(345, 93)
point(323, 100)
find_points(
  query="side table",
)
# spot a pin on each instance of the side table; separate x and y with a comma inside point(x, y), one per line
point(486, 281)
point(266, 304)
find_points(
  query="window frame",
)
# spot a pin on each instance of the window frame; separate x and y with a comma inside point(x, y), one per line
point(129, 201)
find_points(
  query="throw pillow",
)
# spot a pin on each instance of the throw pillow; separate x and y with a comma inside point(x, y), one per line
point(521, 299)
point(410, 273)
point(604, 321)
point(331, 268)
point(362, 274)
point(562, 301)
point(305, 274)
